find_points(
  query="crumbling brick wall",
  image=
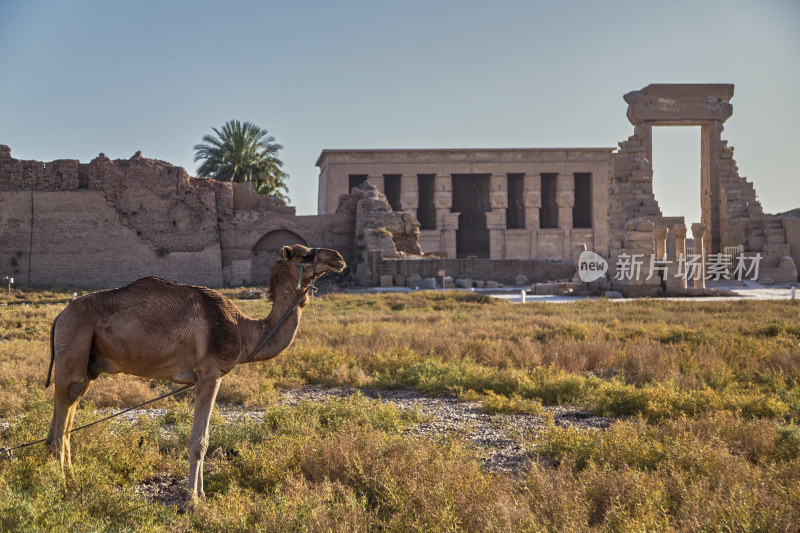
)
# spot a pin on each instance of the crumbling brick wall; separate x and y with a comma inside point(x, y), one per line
point(106, 223)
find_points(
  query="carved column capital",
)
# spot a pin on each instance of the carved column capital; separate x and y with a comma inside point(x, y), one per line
point(699, 230)
point(533, 199)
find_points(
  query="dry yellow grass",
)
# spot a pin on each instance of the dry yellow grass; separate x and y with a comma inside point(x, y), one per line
point(710, 441)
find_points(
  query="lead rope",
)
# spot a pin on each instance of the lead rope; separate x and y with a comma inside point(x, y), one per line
point(8, 452)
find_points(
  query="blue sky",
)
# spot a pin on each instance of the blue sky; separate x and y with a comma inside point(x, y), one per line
point(83, 77)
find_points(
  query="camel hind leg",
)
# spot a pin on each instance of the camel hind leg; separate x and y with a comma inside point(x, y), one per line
point(71, 382)
point(65, 402)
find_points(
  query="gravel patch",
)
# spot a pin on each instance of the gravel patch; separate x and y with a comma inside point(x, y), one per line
point(497, 437)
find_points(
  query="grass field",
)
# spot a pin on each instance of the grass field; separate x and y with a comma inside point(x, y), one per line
point(706, 396)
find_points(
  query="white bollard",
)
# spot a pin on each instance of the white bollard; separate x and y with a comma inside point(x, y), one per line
point(522, 295)
point(793, 292)
point(74, 295)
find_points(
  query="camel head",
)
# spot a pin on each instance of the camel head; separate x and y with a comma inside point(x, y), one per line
point(311, 263)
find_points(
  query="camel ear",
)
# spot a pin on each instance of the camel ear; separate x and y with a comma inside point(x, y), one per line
point(286, 252)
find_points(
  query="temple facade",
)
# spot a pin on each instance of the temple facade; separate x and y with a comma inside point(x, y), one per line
point(501, 204)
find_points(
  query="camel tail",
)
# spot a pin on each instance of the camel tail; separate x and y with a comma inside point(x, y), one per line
point(52, 352)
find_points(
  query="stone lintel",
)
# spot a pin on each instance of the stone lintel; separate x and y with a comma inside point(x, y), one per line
point(680, 104)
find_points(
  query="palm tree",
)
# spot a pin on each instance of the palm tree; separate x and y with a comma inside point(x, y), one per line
point(243, 152)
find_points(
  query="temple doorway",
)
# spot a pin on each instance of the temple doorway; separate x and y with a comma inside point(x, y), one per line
point(471, 201)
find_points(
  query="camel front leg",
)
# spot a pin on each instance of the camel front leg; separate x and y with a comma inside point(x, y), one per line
point(205, 394)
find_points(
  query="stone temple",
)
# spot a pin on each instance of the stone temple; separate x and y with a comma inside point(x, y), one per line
point(536, 204)
point(395, 214)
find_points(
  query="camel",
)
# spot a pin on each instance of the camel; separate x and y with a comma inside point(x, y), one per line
point(157, 329)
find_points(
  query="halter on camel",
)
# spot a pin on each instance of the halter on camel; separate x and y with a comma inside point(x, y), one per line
point(291, 309)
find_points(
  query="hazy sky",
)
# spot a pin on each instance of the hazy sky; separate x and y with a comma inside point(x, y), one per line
point(83, 77)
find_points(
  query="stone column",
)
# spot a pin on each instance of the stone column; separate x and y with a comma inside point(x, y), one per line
point(498, 195)
point(710, 149)
point(496, 218)
point(565, 200)
point(496, 224)
point(409, 194)
point(533, 201)
point(448, 232)
point(698, 233)
point(442, 197)
point(377, 181)
point(661, 242)
point(680, 247)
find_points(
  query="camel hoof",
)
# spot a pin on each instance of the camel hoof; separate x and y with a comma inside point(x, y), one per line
point(191, 501)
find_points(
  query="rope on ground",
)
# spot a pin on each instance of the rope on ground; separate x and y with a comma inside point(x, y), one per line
point(8, 452)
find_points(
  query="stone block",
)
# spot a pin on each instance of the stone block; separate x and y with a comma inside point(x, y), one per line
point(639, 225)
point(640, 236)
point(479, 284)
point(422, 284)
point(493, 285)
point(545, 289)
point(387, 280)
point(465, 283)
point(613, 294)
point(775, 249)
point(400, 281)
point(784, 272)
point(521, 280)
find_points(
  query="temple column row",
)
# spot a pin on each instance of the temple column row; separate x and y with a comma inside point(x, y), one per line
point(498, 198)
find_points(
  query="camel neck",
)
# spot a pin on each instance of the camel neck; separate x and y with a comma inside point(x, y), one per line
point(284, 299)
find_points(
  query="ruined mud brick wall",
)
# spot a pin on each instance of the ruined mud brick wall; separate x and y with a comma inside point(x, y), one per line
point(106, 223)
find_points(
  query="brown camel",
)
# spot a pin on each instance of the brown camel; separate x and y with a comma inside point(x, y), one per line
point(157, 329)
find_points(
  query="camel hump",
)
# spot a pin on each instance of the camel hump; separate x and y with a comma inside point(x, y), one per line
point(152, 281)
